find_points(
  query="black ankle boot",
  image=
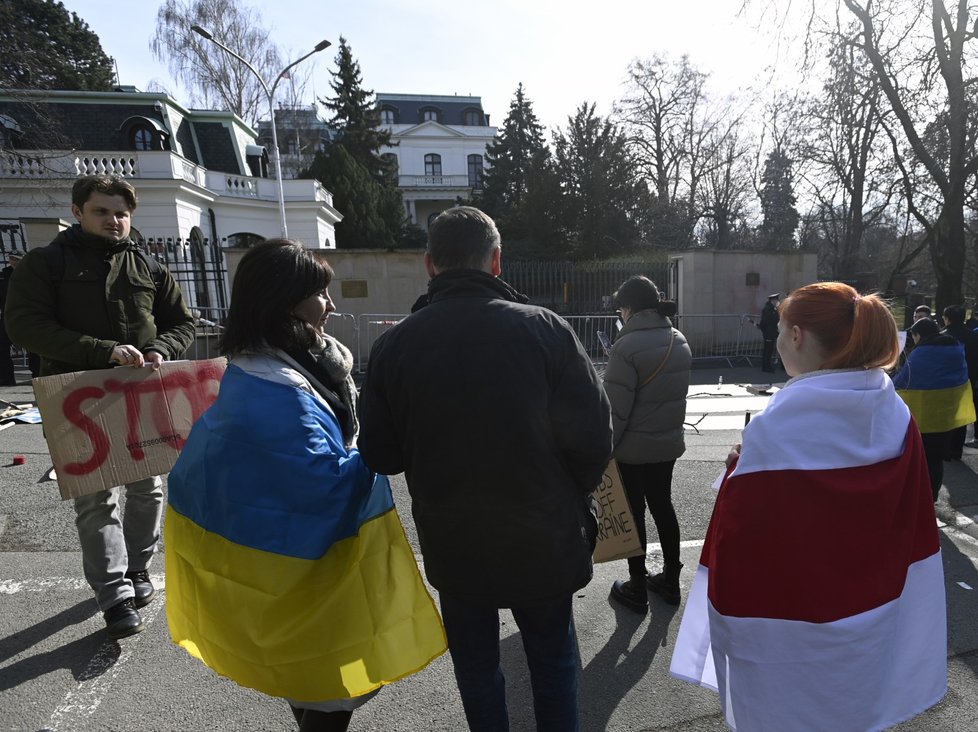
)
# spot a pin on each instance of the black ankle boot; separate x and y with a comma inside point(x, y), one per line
point(666, 583)
point(632, 594)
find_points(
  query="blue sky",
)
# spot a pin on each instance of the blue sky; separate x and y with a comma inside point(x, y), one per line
point(563, 52)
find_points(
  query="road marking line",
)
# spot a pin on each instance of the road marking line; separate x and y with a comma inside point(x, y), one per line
point(47, 584)
point(99, 673)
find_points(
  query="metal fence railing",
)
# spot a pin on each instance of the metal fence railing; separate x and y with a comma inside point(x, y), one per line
point(728, 337)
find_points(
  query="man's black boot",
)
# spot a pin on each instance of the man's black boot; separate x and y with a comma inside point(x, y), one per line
point(145, 592)
point(122, 620)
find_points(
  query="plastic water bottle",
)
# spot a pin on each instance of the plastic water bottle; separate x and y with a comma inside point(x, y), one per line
point(720, 382)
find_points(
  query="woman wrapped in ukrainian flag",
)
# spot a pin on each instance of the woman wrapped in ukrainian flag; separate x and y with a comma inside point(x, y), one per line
point(934, 384)
point(287, 567)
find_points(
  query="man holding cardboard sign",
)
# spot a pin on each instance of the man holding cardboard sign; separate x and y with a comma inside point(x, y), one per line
point(92, 300)
point(491, 408)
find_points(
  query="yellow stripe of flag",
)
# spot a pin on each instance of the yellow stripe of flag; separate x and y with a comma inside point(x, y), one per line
point(310, 630)
point(940, 410)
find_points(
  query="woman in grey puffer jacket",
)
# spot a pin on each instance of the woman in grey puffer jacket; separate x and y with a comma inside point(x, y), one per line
point(646, 381)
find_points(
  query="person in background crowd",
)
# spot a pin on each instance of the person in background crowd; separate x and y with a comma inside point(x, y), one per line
point(972, 322)
point(7, 376)
point(92, 300)
point(769, 330)
point(921, 311)
point(797, 627)
point(935, 385)
point(494, 413)
point(647, 379)
point(954, 326)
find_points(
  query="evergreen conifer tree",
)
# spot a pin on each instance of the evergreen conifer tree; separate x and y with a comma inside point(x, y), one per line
point(47, 47)
point(509, 159)
point(361, 199)
point(364, 184)
point(778, 202)
point(356, 118)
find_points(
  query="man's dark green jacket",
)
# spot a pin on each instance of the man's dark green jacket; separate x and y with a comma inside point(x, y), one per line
point(73, 306)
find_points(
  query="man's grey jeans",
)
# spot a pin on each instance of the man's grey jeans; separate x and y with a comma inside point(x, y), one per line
point(110, 546)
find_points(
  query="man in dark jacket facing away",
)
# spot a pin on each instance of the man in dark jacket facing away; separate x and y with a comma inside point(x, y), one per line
point(494, 413)
point(89, 300)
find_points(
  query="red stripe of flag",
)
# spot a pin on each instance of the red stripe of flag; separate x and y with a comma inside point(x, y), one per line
point(820, 545)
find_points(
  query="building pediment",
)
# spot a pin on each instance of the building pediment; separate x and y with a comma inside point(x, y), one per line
point(430, 129)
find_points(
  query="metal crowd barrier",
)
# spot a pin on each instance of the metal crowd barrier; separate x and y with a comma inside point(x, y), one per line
point(369, 329)
point(587, 328)
point(728, 337)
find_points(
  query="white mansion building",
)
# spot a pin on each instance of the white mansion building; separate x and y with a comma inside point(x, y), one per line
point(439, 146)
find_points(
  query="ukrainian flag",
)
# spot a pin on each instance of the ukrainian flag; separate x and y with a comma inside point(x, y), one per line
point(934, 383)
point(287, 567)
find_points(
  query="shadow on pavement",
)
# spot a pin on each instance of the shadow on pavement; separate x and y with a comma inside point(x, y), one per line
point(75, 656)
point(617, 667)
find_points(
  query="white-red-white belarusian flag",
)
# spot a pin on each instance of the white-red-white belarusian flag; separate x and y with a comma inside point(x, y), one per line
point(819, 600)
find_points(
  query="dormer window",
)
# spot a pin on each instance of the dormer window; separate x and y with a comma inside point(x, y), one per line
point(388, 115)
point(430, 114)
point(143, 133)
point(9, 132)
point(141, 137)
point(472, 118)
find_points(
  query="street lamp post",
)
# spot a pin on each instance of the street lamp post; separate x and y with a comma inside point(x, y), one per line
point(270, 93)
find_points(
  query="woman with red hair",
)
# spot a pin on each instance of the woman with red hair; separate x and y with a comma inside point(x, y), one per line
point(819, 600)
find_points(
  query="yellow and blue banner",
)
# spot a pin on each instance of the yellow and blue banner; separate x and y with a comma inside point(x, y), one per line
point(287, 566)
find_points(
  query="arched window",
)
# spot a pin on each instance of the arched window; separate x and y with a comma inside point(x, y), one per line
point(476, 171)
point(143, 133)
point(388, 116)
point(432, 164)
point(472, 118)
point(142, 137)
point(430, 114)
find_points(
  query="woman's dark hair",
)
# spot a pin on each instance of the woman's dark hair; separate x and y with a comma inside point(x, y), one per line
point(272, 278)
point(640, 293)
point(925, 328)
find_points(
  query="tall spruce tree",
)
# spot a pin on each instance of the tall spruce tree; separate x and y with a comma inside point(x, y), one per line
point(509, 158)
point(363, 183)
point(47, 47)
point(356, 117)
point(778, 202)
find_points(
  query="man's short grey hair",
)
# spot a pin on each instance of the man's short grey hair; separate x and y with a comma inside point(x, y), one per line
point(462, 237)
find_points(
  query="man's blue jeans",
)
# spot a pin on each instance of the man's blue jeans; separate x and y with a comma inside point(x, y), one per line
point(550, 643)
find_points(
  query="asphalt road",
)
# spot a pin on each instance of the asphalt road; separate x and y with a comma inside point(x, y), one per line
point(58, 671)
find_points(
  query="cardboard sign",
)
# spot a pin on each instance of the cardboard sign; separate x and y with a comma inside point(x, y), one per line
point(113, 426)
point(617, 538)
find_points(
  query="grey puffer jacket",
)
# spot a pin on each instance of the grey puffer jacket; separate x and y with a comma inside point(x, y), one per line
point(648, 420)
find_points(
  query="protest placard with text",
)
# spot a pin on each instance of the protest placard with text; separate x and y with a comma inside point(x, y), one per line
point(617, 538)
point(113, 426)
